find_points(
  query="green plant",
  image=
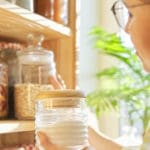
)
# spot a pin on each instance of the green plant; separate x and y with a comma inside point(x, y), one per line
point(128, 82)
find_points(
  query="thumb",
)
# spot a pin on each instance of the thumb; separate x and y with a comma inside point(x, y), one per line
point(45, 142)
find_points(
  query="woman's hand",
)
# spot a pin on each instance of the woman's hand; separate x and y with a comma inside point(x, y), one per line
point(46, 143)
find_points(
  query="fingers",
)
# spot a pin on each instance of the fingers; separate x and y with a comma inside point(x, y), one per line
point(86, 148)
point(35, 148)
point(46, 143)
point(43, 138)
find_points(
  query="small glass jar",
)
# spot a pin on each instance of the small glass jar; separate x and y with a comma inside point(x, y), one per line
point(62, 116)
point(36, 66)
point(56, 10)
point(10, 56)
point(61, 11)
point(3, 89)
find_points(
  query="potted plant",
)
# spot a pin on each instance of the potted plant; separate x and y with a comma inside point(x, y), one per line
point(129, 83)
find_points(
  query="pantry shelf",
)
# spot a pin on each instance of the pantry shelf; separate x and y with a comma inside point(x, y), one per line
point(14, 126)
point(16, 23)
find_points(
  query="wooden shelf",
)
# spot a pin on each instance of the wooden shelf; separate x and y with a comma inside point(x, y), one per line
point(14, 126)
point(17, 23)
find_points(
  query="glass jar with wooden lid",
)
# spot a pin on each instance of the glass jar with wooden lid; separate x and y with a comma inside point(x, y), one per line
point(62, 116)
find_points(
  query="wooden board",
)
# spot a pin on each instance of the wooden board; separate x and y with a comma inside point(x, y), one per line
point(13, 126)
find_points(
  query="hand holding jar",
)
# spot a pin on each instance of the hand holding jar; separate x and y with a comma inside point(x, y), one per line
point(61, 118)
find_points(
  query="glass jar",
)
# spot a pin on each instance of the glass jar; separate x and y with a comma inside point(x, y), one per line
point(10, 56)
point(35, 68)
point(44, 8)
point(62, 116)
point(3, 89)
point(61, 11)
point(56, 10)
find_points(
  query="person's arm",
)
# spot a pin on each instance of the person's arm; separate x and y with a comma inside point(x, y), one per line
point(101, 142)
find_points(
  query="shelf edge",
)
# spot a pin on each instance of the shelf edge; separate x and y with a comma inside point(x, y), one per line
point(13, 126)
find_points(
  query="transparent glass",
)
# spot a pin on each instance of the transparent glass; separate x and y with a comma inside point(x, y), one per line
point(63, 120)
point(56, 10)
point(36, 64)
point(36, 67)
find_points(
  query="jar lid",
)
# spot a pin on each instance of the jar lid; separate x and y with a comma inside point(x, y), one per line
point(35, 46)
point(61, 98)
point(34, 51)
point(60, 93)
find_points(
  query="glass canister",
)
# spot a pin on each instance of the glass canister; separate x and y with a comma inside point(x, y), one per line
point(56, 10)
point(36, 66)
point(62, 116)
point(61, 11)
point(3, 89)
point(9, 54)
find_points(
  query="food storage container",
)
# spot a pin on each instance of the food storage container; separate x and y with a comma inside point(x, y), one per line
point(3, 89)
point(8, 53)
point(56, 10)
point(36, 66)
point(62, 116)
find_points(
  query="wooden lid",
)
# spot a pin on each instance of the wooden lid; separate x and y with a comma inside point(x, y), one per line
point(60, 93)
point(61, 98)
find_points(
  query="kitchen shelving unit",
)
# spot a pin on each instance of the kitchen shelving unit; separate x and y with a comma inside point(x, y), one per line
point(15, 24)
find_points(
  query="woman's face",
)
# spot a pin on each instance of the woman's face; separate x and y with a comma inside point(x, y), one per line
point(138, 27)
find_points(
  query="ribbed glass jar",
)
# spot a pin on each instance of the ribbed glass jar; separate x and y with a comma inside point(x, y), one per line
point(62, 116)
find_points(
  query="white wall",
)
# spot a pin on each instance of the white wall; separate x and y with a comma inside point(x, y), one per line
point(89, 17)
point(95, 12)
